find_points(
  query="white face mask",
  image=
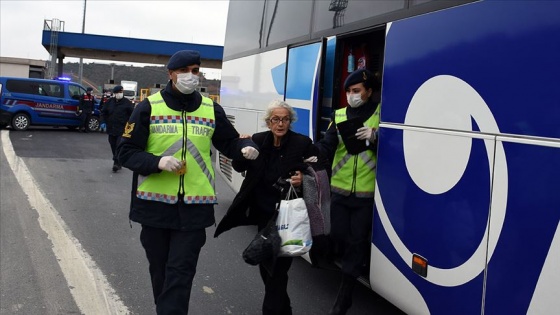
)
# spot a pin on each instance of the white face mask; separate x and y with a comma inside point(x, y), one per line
point(354, 100)
point(119, 95)
point(186, 82)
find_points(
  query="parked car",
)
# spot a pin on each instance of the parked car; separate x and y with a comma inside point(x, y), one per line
point(25, 102)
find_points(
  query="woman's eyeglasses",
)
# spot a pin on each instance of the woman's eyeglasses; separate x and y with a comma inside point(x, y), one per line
point(276, 120)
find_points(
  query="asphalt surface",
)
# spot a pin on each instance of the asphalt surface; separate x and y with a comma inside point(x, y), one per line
point(73, 171)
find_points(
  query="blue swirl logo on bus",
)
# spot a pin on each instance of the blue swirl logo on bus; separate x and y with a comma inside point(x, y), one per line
point(443, 103)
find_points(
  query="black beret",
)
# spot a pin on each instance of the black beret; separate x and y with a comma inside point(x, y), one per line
point(360, 76)
point(89, 88)
point(117, 89)
point(183, 58)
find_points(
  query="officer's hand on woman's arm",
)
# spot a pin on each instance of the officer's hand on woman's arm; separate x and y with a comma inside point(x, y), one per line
point(250, 153)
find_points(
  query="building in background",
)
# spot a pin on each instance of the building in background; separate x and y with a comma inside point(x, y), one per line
point(22, 68)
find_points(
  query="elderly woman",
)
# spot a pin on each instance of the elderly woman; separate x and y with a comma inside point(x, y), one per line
point(282, 155)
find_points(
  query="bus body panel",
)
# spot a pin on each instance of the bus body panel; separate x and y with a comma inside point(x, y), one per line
point(448, 229)
point(508, 53)
point(483, 211)
point(526, 239)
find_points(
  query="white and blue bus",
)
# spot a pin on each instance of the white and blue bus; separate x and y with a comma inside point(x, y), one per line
point(467, 204)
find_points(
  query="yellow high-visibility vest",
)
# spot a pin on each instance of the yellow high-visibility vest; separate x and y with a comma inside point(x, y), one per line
point(167, 129)
point(354, 173)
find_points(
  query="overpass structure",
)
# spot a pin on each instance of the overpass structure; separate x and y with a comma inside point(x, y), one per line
point(62, 44)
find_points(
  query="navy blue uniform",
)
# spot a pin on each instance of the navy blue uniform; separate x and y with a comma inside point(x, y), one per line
point(115, 113)
point(172, 234)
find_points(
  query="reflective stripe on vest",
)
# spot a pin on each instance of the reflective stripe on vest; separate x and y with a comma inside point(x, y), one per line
point(167, 128)
point(354, 173)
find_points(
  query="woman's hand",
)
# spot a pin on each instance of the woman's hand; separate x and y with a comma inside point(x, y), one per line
point(244, 136)
point(296, 179)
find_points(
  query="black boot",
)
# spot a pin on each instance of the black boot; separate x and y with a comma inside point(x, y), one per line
point(344, 297)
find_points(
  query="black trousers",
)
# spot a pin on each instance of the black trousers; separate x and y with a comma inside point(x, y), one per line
point(84, 117)
point(173, 256)
point(351, 222)
point(113, 141)
point(276, 300)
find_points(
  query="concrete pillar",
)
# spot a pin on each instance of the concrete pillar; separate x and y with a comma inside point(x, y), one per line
point(60, 65)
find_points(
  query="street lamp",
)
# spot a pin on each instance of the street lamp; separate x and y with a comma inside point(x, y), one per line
point(81, 68)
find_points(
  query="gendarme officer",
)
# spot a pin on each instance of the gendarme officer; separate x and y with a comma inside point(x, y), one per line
point(166, 143)
point(85, 109)
point(353, 178)
point(115, 113)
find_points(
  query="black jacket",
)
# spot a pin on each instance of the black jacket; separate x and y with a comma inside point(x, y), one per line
point(87, 103)
point(115, 114)
point(132, 155)
point(257, 192)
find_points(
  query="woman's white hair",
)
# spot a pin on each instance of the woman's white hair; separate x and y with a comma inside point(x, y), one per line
point(280, 104)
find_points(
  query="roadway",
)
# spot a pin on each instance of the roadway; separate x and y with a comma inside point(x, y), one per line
point(67, 245)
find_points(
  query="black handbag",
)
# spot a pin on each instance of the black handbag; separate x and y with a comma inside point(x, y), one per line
point(265, 246)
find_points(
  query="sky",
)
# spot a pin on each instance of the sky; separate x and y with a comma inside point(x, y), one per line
point(192, 21)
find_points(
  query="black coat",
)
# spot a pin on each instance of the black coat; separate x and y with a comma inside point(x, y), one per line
point(115, 114)
point(256, 192)
point(87, 103)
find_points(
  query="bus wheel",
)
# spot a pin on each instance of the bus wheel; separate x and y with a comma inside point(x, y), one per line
point(93, 123)
point(20, 122)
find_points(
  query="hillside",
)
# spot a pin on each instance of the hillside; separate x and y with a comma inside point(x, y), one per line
point(148, 76)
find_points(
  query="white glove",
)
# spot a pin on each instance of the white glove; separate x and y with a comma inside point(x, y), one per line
point(366, 133)
point(311, 159)
point(169, 163)
point(250, 153)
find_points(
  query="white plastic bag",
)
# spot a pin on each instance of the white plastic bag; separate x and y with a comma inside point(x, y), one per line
point(293, 226)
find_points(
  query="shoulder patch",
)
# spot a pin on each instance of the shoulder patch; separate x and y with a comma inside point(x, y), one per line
point(128, 129)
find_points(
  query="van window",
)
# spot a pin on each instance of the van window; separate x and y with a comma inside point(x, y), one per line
point(51, 89)
point(35, 88)
point(19, 86)
point(75, 91)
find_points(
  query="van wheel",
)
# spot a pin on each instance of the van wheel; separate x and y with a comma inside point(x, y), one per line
point(93, 123)
point(20, 122)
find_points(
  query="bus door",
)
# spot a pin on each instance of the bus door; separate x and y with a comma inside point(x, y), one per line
point(303, 86)
point(354, 51)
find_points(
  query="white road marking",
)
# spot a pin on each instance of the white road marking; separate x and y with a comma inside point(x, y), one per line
point(89, 287)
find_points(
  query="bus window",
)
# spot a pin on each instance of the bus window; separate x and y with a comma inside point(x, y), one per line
point(286, 20)
point(337, 13)
point(243, 27)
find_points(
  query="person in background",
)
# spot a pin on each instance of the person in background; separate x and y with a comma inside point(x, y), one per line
point(85, 109)
point(104, 98)
point(167, 143)
point(114, 115)
point(353, 181)
point(283, 154)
